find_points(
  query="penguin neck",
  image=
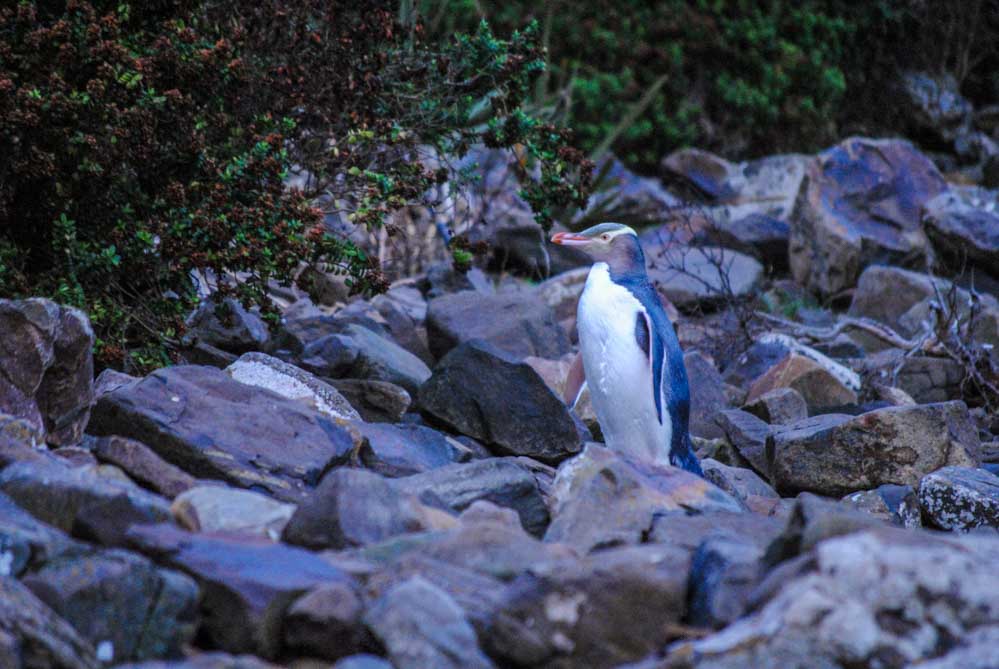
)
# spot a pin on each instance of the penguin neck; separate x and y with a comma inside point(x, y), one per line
point(626, 261)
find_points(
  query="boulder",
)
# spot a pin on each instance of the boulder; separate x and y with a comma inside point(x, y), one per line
point(421, 626)
point(26, 542)
point(353, 507)
point(813, 380)
point(963, 224)
point(519, 323)
point(209, 660)
point(700, 173)
point(859, 205)
point(264, 371)
point(707, 395)
point(46, 367)
point(928, 380)
point(896, 504)
point(220, 510)
point(834, 454)
point(741, 483)
point(213, 427)
point(143, 465)
point(591, 612)
point(758, 235)
point(32, 635)
point(404, 450)
point(505, 482)
point(706, 275)
point(362, 661)
point(123, 604)
point(64, 496)
point(246, 585)
point(626, 197)
point(228, 326)
point(933, 105)
point(779, 406)
point(626, 495)
point(689, 532)
point(960, 498)
point(359, 353)
point(375, 401)
point(480, 391)
point(748, 434)
point(723, 572)
point(326, 623)
point(874, 598)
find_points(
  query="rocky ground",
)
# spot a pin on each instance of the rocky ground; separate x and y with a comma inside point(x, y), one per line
point(396, 482)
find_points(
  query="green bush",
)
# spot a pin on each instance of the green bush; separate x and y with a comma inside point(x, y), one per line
point(144, 148)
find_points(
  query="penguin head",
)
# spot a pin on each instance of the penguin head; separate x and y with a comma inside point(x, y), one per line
point(613, 243)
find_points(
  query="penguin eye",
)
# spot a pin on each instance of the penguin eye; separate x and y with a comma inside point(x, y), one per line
point(605, 237)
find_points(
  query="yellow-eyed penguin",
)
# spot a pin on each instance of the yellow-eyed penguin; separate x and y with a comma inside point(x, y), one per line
point(630, 354)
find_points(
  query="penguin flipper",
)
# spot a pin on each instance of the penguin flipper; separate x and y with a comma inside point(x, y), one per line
point(575, 382)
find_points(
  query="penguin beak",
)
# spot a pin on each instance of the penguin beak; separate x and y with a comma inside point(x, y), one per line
point(570, 239)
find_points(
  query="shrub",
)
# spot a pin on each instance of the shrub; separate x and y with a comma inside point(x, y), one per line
point(143, 152)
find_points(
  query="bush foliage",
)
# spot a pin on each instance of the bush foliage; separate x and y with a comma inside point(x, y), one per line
point(144, 148)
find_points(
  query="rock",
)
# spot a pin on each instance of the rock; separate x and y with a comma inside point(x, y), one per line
point(246, 585)
point(143, 465)
point(404, 450)
point(213, 427)
point(31, 635)
point(933, 104)
point(700, 172)
point(748, 434)
point(707, 275)
point(61, 496)
point(860, 205)
point(27, 543)
point(220, 510)
point(592, 612)
point(524, 249)
point(928, 380)
point(626, 198)
point(885, 294)
point(443, 279)
point(758, 235)
point(326, 622)
point(46, 367)
point(480, 391)
point(359, 353)
point(874, 598)
point(229, 327)
point(707, 395)
point(626, 495)
point(813, 381)
point(263, 371)
point(352, 507)
point(723, 571)
point(375, 401)
point(120, 602)
point(362, 662)
point(755, 362)
point(742, 484)
point(519, 323)
point(211, 660)
point(963, 224)
point(421, 626)
point(960, 498)
point(779, 406)
point(688, 533)
point(835, 455)
point(503, 481)
point(896, 504)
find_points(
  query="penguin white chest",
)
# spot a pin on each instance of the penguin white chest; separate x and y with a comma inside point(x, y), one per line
point(618, 372)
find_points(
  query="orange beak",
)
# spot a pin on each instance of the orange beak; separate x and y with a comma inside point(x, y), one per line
point(570, 239)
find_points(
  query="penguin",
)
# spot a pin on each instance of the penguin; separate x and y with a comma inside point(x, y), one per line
point(631, 358)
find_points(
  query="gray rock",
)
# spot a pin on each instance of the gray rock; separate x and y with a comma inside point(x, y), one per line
point(626, 495)
point(860, 204)
point(480, 391)
point(934, 104)
point(927, 379)
point(743, 484)
point(326, 622)
point(294, 383)
point(834, 454)
point(502, 481)
point(963, 224)
point(213, 427)
point(360, 353)
point(705, 275)
point(375, 401)
point(707, 395)
point(353, 507)
point(27, 543)
point(779, 406)
point(626, 198)
point(748, 434)
point(210, 660)
point(46, 367)
point(120, 602)
point(897, 504)
point(143, 465)
point(62, 496)
point(592, 612)
point(818, 380)
point(421, 626)
point(518, 323)
point(960, 498)
point(32, 635)
point(246, 586)
point(723, 572)
point(229, 327)
point(362, 662)
point(689, 532)
point(404, 450)
point(221, 510)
